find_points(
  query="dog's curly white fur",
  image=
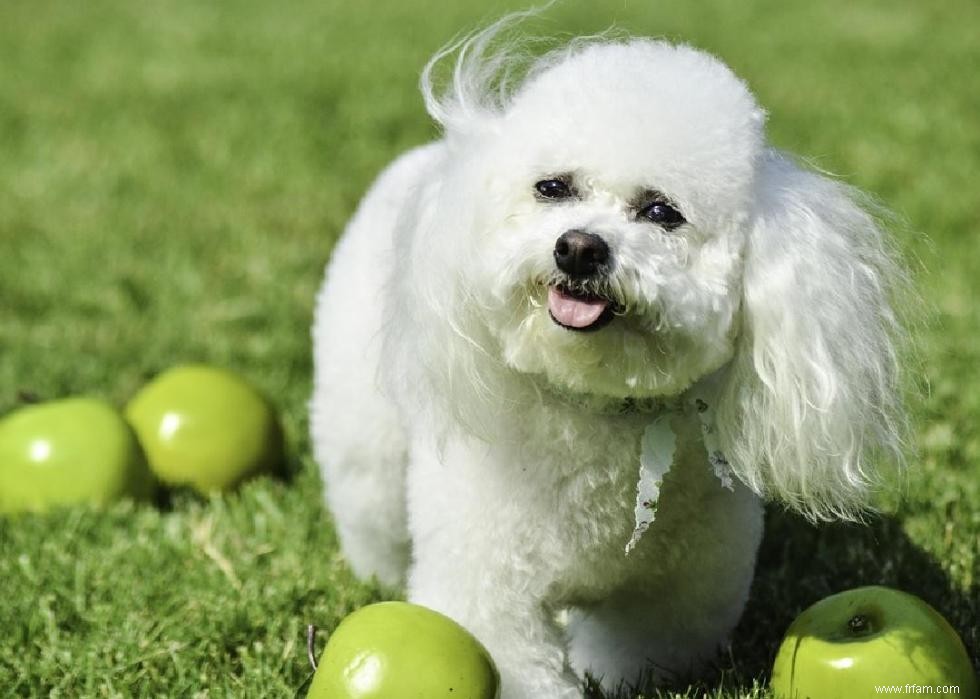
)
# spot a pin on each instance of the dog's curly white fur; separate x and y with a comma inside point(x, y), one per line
point(487, 455)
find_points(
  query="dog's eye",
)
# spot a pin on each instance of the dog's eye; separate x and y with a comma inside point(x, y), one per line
point(553, 189)
point(663, 214)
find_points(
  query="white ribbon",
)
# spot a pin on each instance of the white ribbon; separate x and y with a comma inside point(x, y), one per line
point(657, 455)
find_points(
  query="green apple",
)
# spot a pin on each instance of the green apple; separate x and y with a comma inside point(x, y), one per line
point(846, 645)
point(77, 450)
point(206, 428)
point(397, 650)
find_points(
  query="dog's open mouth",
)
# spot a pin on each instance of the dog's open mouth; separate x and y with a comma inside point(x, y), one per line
point(576, 311)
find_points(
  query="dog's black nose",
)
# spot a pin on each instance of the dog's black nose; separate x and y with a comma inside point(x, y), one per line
point(580, 254)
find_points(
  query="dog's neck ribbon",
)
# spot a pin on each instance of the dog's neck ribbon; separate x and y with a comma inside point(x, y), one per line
point(657, 455)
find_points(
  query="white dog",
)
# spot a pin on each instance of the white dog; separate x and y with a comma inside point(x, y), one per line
point(568, 323)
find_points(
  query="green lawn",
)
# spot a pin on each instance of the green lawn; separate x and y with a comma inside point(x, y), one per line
point(172, 177)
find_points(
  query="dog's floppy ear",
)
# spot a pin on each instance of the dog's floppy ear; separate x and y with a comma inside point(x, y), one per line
point(811, 400)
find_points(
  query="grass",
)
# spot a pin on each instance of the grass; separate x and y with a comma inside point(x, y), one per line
point(172, 178)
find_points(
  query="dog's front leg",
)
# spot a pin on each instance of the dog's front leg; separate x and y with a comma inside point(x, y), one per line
point(514, 626)
point(478, 559)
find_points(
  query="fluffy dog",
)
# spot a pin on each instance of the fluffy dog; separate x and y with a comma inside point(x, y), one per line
point(599, 314)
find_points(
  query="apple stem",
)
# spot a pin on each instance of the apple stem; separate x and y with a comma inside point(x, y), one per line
point(858, 624)
point(310, 645)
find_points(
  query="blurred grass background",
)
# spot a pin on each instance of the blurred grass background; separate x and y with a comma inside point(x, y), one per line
point(172, 177)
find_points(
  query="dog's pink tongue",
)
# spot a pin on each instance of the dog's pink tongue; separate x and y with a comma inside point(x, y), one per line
point(574, 312)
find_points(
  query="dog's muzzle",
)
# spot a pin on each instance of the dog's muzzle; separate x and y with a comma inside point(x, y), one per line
point(581, 256)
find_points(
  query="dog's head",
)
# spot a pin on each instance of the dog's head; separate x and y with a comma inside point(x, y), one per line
point(616, 225)
point(611, 220)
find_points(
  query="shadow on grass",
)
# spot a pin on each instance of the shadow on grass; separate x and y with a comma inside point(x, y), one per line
point(286, 469)
point(800, 564)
